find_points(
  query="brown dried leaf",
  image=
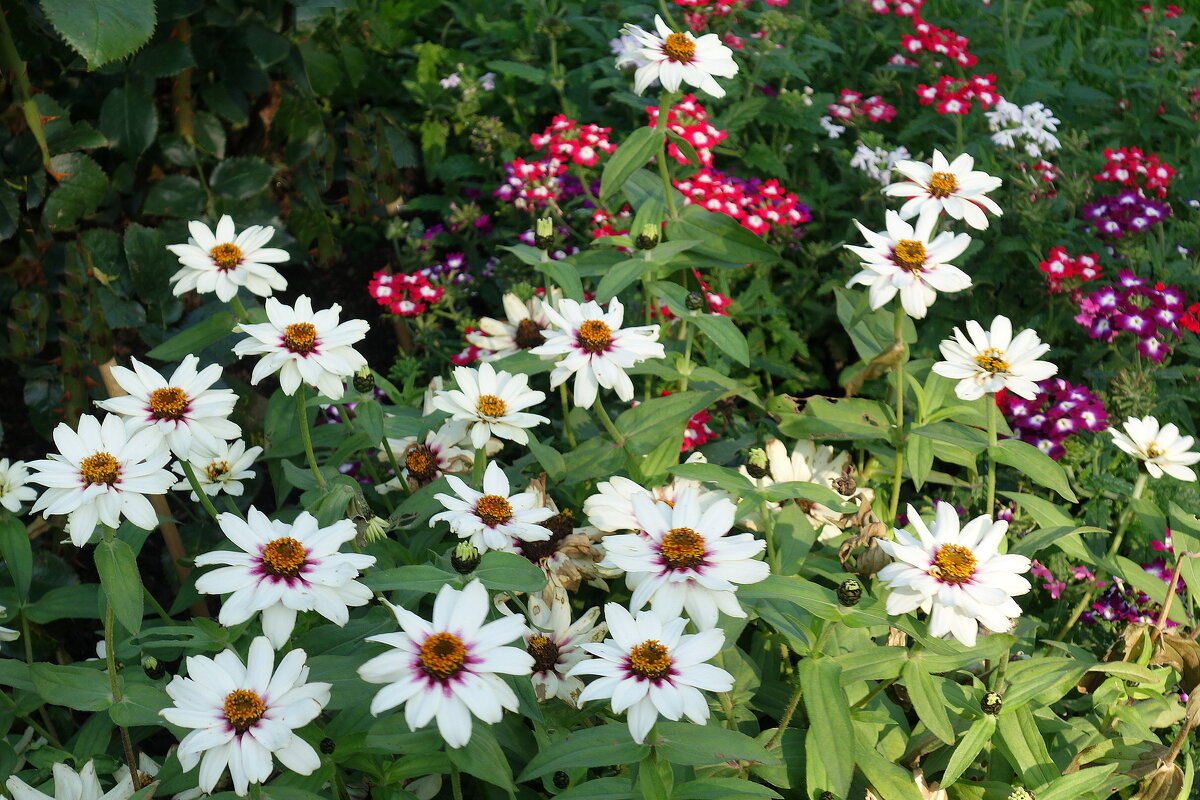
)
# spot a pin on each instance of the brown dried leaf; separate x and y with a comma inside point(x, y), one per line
point(1182, 654)
point(1165, 783)
point(1128, 648)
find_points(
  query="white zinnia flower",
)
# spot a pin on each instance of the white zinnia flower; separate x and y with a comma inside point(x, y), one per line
point(672, 58)
point(957, 577)
point(903, 259)
point(69, 785)
point(448, 668)
point(492, 403)
point(984, 362)
point(554, 642)
point(304, 347)
point(952, 187)
point(589, 343)
point(14, 490)
point(422, 463)
point(491, 519)
point(520, 330)
point(220, 262)
point(1161, 449)
point(220, 470)
point(612, 509)
point(7, 634)
point(685, 560)
point(183, 409)
point(283, 569)
point(651, 667)
point(101, 474)
point(243, 714)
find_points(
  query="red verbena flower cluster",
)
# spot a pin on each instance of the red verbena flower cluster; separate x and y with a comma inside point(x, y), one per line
point(955, 95)
point(1059, 410)
point(1170, 12)
point(939, 42)
point(1129, 166)
point(759, 206)
point(404, 294)
point(570, 141)
point(903, 8)
point(851, 105)
point(689, 119)
point(1153, 314)
point(612, 224)
point(1060, 267)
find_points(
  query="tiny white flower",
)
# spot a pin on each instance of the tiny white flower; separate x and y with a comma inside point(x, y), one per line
point(953, 187)
point(555, 644)
point(650, 667)
point(69, 785)
point(242, 714)
point(903, 260)
point(283, 569)
point(686, 560)
point(492, 403)
point(448, 668)
point(611, 508)
point(183, 409)
point(217, 261)
point(1160, 448)
point(674, 58)
point(304, 347)
point(834, 130)
point(521, 329)
point(957, 577)
point(14, 488)
point(7, 634)
point(100, 474)
point(1033, 124)
point(877, 162)
point(589, 343)
point(984, 362)
point(220, 470)
point(491, 519)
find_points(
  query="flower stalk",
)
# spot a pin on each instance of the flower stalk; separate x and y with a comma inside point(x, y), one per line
point(899, 433)
point(306, 435)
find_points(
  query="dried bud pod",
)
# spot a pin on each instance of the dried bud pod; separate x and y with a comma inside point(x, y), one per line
point(153, 668)
point(991, 703)
point(694, 301)
point(364, 380)
point(465, 558)
point(328, 746)
point(543, 234)
point(827, 795)
point(845, 485)
point(756, 463)
point(648, 238)
point(1021, 793)
point(561, 780)
point(849, 592)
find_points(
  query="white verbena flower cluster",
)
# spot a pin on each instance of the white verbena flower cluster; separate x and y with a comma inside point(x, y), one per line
point(1032, 127)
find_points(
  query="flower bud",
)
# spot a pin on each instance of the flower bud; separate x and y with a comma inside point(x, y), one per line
point(543, 233)
point(561, 780)
point(694, 301)
point(465, 558)
point(991, 703)
point(376, 529)
point(827, 795)
point(1021, 793)
point(328, 746)
point(849, 592)
point(648, 238)
point(756, 463)
point(153, 668)
point(364, 380)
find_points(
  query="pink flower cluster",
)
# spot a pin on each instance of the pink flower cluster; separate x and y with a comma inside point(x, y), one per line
point(531, 182)
point(1129, 166)
point(1170, 12)
point(404, 294)
point(690, 120)
point(1130, 211)
point(851, 105)
point(939, 42)
point(542, 180)
point(1059, 266)
point(759, 206)
point(953, 95)
point(903, 8)
point(1054, 586)
point(1153, 314)
point(1058, 411)
point(568, 140)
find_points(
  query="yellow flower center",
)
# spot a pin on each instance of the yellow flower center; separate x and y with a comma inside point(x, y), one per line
point(528, 334)
point(992, 361)
point(284, 558)
point(443, 655)
point(216, 469)
point(243, 708)
point(943, 184)
point(491, 406)
point(679, 47)
point(169, 403)
point(953, 564)
point(1154, 451)
point(300, 337)
point(100, 468)
point(650, 660)
point(594, 336)
point(226, 256)
point(544, 652)
point(493, 510)
point(421, 463)
point(910, 255)
point(682, 548)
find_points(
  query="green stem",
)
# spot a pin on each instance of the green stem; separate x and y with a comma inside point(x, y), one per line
point(479, 465)
point(898, 470)
point(664, 107)
point(455, 782)
point(239, 310)
point(387, 448)
point(879, 687)
point(190, 472)
point(115, 684)
point(991, 433)
point(786, 719)
point(11, 61)
point(306, 435)
point(566, 407)
point(688, 336)
point(50, 737)
point(607, 423)
point(232, 506)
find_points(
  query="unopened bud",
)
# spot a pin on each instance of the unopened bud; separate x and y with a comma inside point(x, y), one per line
point(376, 529)
point(153, 668)
point(561, 780)
point(756, 463)
point(991, 703)
point(1021, 793)
point(364, 380)
point(648, 238)
point(849, 592)
point(827, 795)
point(694, 301)
point(328, 746)
point(543, 233)
point(465, 558)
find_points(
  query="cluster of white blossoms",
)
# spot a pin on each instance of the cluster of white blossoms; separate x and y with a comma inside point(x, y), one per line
point(1032, 126)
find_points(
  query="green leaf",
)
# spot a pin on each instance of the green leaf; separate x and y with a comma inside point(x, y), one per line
point(550, 459)
point(80, 191)
point(978, 735)
point(830, 731)
point(531, 74)
point(129, 120)
point(648, 423)
point(77, 687)
point(621, 275)
point(889, 780)
point(195, 338)
point(721, 789)
point(140, 704)
point(66, 602)
point(601, 746)
point(1023, 747)
point(721, 237)
point(15, 673)
point(927, 701)
point(1044, 680)
point(412, 578)
point(599, 789)
point(1080, 784)
point(121, 581)
point(509, 572)
point(633, 153)
point(655, 778)
point(696, 745)
point(241, 177)
point(17, 553)
point(102, 30)
point(175, 196)
point(725, 478)
point(1034, 464)
point(483, 758)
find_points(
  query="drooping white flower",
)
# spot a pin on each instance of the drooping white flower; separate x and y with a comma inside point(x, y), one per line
point(283, 569)
point(958, 577)
point(422, 463)
point(217, 261)
point(953, 187)
point(520, 330)
point(685, 560)
point(14, 488)
point(491, 403)
point(7, 634)
point(69, 785)
point(611, 508)
point(447, 668)
point(304, 347)
point(555, 644)
point(674, 58)
point(100, 474)
point(1159, 447)
point(903, 259)
point(184, 409)
point(573, 553)
point(220, 470)
point(491, 519)
point(650, 667)
point(243, 714)
point(628, 51)
point(984, 362)
point(589, 343)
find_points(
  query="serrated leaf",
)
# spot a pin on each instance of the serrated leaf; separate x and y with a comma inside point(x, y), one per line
point(80, 191)
point(241, 177)
point(129, 120)
point(175, 196)
point(102, 30)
